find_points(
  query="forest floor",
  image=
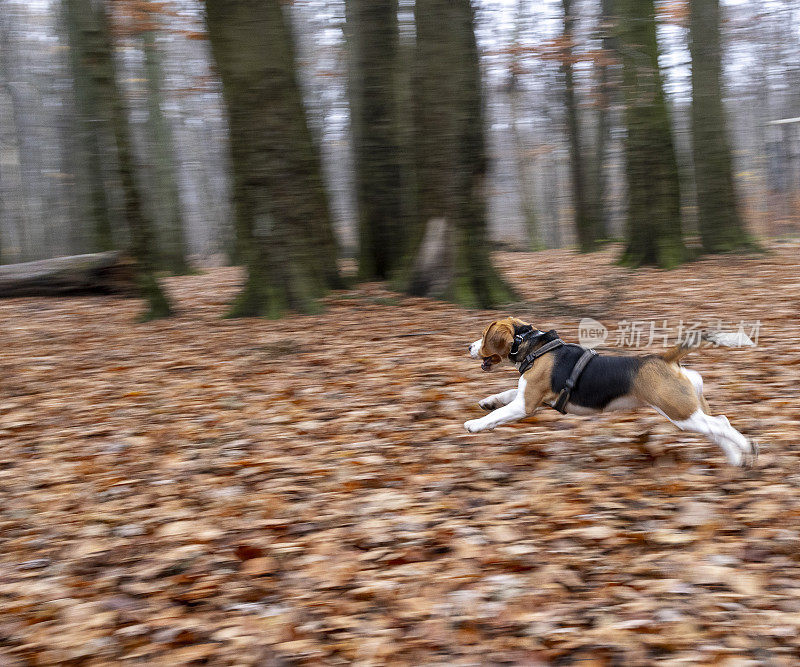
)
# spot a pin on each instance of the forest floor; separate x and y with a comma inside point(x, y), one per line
point(201, 490)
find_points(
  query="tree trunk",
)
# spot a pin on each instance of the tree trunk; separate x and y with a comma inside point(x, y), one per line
point(95, 48)
point(527, 190)
point(280, 200)
point(26, 211)
point(172, 255)
point(374, 80)
point(2, 215)
point(91, 123)
point(451, 161)
point(605, 93)
point(586, 226)
point(654, 217)
point(719, 220)
point(101, 273)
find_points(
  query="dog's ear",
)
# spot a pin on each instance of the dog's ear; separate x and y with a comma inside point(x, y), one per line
point(498, 339)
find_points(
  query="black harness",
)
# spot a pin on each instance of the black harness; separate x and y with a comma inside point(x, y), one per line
point(553, 342)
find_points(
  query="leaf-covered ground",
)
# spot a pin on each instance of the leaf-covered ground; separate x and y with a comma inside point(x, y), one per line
point(200, 490)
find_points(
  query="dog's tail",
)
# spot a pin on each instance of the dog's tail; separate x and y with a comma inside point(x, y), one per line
point(700, 339)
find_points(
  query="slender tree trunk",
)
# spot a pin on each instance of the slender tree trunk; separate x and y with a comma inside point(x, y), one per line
point(721, 226)
point(280, 200)
point(2, 216)
point(374, 81)
point(408, 163)
point(527, 190)
point(71, 162)
point(654, 218)
point(586, 226)
point(550, 175)
point(96, 52)
point(605, 92)
point(91, 123)
point(172, 254)
point(11, 215)
point(453, 259)
point(26, 212)
point(599, 161)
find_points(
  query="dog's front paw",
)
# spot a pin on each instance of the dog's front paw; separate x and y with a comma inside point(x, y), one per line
point(473, 425)
point(487, 403)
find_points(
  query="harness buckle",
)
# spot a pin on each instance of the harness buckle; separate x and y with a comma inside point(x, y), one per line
point(518, 340)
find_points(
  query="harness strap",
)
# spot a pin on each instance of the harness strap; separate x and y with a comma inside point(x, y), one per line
point(577, 369)
point(527, 362)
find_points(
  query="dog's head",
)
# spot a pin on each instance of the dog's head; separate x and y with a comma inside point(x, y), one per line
point(495, 344)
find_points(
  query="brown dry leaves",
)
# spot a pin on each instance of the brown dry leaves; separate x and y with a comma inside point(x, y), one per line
point(201, 490)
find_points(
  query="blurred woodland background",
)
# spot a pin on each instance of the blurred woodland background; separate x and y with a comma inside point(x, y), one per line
point(414, 137)
point(208, 489)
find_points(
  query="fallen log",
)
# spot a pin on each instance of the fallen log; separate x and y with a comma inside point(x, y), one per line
point(99, 273)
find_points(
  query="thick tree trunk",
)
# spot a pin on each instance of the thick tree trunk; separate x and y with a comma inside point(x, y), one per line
point(721, 226)
point(374, 103)
point(96, 48)
point(172, 255)
point(281, 204)
point(654, 217)
point(451, 161)
point(101, 273)
point(586, 226)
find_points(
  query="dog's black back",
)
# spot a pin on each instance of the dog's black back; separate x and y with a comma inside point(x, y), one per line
point(604, 379)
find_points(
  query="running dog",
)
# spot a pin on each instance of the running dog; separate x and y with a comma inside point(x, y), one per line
point(578, 381)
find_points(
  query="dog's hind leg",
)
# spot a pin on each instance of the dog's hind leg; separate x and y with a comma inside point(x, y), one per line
point(718, 430)
point(751, 448)
point(674, 392)
point(498, 400)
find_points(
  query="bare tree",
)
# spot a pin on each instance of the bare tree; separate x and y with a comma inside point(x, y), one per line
point(372, 29)
point(453, 260)
point(721, 226)
point(282, 210)
point(654, 217)
point(586, 224)
point(92, 43)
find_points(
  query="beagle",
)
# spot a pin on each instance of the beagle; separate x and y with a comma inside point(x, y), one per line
point(606, 383)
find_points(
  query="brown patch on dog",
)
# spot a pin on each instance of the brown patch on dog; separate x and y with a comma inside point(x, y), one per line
point(538, 384)
point(663, 386)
